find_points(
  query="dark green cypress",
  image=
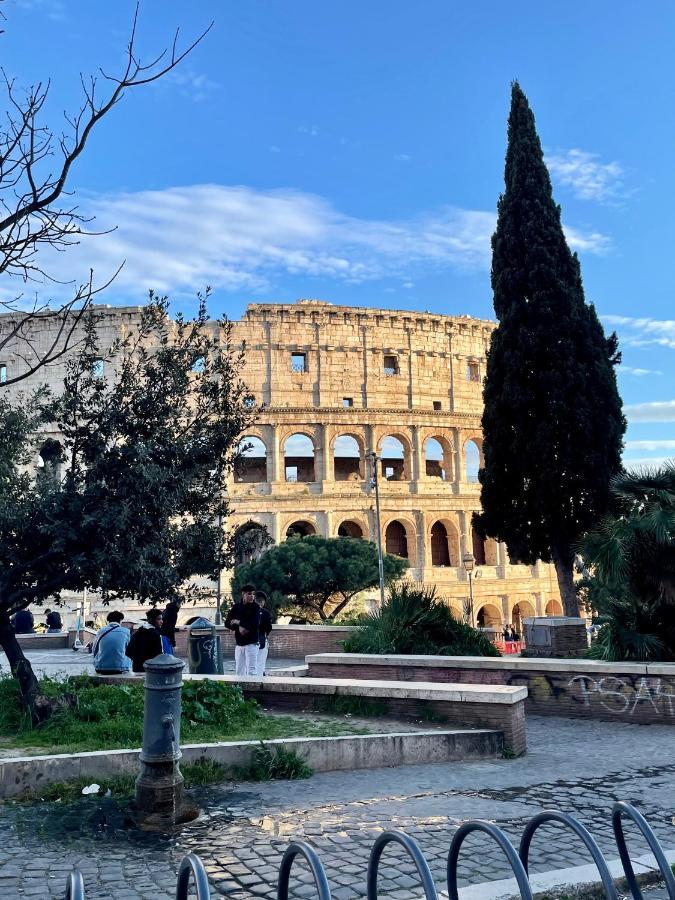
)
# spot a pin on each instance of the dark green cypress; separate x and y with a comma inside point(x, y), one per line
point(552, 423)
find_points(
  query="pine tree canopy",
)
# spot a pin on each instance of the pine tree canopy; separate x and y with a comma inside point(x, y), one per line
point(552, 420)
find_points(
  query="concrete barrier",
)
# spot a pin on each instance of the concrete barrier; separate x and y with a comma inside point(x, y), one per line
point(628, 692)
point(28, 774)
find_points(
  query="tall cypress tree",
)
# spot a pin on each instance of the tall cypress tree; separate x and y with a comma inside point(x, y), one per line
point(552, 422)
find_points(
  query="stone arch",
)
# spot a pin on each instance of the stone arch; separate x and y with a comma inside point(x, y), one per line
point(519, 612)
point(397, 542)
point(473, 458)
point(443, 539)
point(437, 453)
point(489, 616)
point(250, 465)
point(299, 457)
point(301, 528)
point(350, 528)
point(395, 454)
point(250, 541)
point(485, 552)
point(51, 457)
point(554, 607)
point(348, 452)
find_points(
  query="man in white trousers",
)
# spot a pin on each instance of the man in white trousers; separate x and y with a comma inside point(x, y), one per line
point(264, 631)
point(244, 620)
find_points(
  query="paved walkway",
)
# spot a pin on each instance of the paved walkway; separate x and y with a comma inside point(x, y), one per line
point(60, 663)
point(574, 765)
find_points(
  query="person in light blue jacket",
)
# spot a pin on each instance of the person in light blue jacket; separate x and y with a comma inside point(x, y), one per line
point(110, 646)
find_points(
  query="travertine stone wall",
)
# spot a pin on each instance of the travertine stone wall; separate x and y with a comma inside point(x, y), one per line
point(370, 374)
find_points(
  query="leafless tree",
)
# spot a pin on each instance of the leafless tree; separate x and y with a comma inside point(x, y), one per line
point(36, 208)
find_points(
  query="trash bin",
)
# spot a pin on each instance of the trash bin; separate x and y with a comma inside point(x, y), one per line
point(204, 649)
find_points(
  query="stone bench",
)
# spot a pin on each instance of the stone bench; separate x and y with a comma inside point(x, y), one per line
point(496, 707)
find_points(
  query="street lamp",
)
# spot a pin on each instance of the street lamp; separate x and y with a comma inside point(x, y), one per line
point(469, 563)
point(219, 582)
point(372, 458)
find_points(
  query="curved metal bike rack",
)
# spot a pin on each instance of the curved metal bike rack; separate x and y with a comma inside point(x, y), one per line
point(581, 831)
point(192, 865)
point(412, 848)
point(619, 810)
point(75, 886)
point(519, 870)
point(300, 848)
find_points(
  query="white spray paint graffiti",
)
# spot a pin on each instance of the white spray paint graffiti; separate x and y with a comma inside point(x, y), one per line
point(620, 696)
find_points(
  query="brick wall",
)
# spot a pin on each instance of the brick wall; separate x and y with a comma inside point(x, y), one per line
point(643, 694)
point(286, 641)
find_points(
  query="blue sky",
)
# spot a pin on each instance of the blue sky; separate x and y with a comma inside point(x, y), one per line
point(354, 152)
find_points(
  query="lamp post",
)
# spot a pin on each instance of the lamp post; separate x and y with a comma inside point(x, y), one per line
point(372, 458)
point(469, 563)
point(219, 582)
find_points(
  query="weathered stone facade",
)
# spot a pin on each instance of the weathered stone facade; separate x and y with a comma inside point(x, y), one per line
point(336, 381)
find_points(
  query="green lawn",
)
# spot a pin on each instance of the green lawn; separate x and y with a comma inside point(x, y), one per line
point(108, 717)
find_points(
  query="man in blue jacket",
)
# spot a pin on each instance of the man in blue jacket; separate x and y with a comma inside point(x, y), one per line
point(110, 647)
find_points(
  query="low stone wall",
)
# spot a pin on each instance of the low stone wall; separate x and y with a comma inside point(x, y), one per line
point(498, 707)
point(626, 692)
point(286, 641)
point(25, 774)
point(43, 641)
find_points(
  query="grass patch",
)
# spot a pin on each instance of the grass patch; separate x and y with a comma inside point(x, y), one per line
point(278, 763)
point(351, 706)
point(110, 716)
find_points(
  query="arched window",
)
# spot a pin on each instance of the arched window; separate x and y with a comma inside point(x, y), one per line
point(299, 458)
point(554, 608)
point(434, 459)
point(51, 459)
point(350, 529)
point(489, 617)
point(521, 610)
point(300, 529)
point(440, 551)
point(396, 540)
point(250, 465)
point(394, 462)
point(478, 548)
point(347, 459)
point(471, 460)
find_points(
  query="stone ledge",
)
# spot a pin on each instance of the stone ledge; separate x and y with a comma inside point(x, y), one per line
point(20, 775)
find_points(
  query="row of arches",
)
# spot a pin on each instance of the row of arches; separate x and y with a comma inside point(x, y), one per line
point(348, 459)
point(399, 539)
point(490, 616)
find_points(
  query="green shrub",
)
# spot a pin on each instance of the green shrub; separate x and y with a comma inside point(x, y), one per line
point(279, 763)
point(413, 621)
point(351, 706)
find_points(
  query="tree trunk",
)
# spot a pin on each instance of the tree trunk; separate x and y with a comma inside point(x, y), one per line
point(563, 560)
point(19, 665)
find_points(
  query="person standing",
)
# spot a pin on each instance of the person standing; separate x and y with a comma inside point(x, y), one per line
point(170, 619)
point(53, 621)
point(147, 641)
point(264, 631)
point(244, 620)
point(110, 646)
point(23, 622)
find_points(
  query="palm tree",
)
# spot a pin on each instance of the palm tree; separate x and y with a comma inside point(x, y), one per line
point(631, 557)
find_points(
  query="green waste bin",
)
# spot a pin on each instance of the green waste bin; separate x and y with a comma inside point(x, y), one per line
point(204, 656)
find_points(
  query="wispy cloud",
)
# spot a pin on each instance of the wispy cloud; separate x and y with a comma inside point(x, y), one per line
point(658, 411)
point(402, 157)
point(637, 372)
point(196, 86)
point(647, 462)
point(651, 445)
point(641, 332)
point(311, 130)
point(53, 9)
point(236, 238)
point(587, 176)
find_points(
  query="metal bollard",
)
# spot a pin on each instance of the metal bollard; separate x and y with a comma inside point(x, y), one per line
point(160, 794)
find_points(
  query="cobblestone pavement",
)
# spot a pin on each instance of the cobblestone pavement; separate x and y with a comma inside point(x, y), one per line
point(58, 663)
point(574, 765)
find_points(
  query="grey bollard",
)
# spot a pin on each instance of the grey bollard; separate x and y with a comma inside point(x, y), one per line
point(160, 796)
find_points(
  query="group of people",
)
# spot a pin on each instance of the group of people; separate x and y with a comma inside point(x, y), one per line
point(510, 634)
point(23, 622)
point(251, 625)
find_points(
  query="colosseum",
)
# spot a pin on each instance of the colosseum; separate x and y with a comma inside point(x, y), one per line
point(334, 382)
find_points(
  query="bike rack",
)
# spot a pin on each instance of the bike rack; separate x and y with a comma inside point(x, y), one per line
point(192, 868)
point(413, 849)
point(192, 865)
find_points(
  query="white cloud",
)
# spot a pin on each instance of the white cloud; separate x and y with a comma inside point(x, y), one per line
point(659, 411)
point(637, 372)
point(53, 9)
point(643, 332)
point(402, 157)
point(588, 178)
point(194, 85)
point(651, 445)
point(238, 238)
point(311, 130)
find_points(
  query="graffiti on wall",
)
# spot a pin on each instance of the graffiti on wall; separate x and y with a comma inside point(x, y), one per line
point(619, 695)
